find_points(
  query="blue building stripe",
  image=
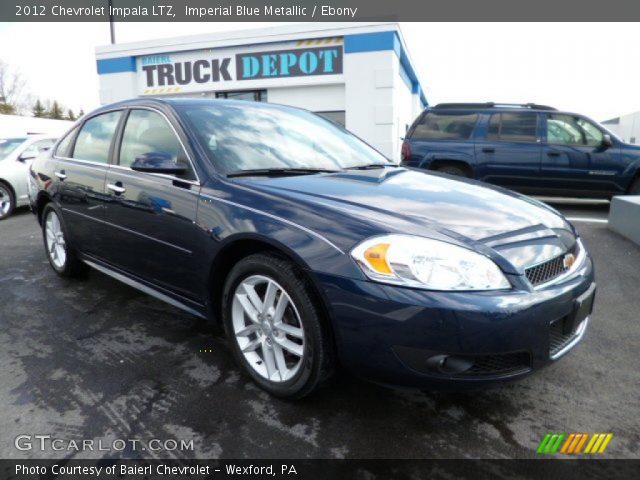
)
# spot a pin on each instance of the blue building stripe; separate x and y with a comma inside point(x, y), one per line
point(116, 65)
point(380, 41)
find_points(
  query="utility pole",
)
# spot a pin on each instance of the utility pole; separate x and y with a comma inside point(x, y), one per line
point(112, 25)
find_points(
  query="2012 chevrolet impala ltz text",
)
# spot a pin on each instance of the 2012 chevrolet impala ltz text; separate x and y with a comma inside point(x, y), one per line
point(311, 248)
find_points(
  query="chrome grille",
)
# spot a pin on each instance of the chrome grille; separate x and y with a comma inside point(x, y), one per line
point(546, 271)
point(557, 339)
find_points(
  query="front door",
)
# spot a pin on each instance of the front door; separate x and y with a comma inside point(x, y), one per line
point(575, 157)
point(509, 153)
point(151, 217)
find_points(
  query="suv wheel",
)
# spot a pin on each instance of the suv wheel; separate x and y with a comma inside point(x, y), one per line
point(7, 201)
point(453, 170)
point(274, 326)
point(60, 254)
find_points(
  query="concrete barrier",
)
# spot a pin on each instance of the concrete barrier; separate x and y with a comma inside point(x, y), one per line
point(624, 216)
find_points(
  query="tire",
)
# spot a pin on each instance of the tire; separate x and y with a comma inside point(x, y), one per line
point(7, 201)
point(634, 189)
point(290, 354)
point(453, 170)
point(61, 255)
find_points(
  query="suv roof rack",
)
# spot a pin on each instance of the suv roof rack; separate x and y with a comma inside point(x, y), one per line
point(532, 106)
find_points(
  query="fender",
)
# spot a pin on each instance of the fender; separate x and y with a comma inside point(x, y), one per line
point(446, 154)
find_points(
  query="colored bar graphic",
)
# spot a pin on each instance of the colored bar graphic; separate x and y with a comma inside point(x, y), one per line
point(574, 443)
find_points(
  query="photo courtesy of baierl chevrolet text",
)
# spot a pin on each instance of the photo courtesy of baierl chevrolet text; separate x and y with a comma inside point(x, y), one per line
point(319, 239)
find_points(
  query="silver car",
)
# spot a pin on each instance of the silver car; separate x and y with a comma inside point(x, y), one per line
point(16, 154)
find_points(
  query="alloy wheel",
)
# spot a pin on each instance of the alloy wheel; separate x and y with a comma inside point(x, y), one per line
point(5, 201)
point(267, 328)
point(56, 244)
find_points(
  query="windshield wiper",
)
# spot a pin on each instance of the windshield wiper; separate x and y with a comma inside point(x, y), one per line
point(278, 171)
point(371, 166)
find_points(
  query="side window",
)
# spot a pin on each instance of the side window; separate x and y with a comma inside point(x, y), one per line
point(95, 137)
point(512, 127)
point(570, 130)
point(64, 146)
point(37, 148)
point(147, 131)
point(445, 126)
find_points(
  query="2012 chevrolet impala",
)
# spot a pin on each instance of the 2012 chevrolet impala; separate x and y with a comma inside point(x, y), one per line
point(311, 248)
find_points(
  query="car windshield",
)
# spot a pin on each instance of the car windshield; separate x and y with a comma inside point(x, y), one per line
point(8, 145)
point(241, 136)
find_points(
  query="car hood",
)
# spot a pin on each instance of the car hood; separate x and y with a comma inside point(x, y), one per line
point(400, 200)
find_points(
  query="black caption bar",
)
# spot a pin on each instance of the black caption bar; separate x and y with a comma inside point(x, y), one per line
point(317, 469)
point(316, 10)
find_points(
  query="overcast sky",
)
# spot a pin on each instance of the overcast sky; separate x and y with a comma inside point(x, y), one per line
point(589, 68)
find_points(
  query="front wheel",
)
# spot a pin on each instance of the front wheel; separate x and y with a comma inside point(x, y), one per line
point(7, 201)
point(275, 326)
point(61, 256)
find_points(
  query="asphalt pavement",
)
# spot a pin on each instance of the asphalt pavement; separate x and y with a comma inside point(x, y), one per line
point(95, 359)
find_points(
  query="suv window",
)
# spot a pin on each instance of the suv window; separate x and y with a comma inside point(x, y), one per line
point(512, 127)
point(147, 131)
point(95, 137)
point(445, 126)
point(570, 130)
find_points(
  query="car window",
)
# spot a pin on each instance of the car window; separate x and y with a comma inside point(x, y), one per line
point(147, 131)
point(8, 145)
point(445, 126)
point(95, 137)
point(65, 145)
point(570, 130)
point(512, 127)
point(37, 148)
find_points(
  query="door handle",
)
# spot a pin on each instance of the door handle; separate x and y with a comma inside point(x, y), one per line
point(61, 175)
point(117, 189)
point(488, 149)
point(553, 154)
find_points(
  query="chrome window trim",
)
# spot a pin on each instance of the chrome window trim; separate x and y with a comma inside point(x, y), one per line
point(582, 255)
point(274, 217)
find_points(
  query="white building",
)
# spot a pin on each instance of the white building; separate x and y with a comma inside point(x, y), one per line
point(359, 75)
point(627, 127)
point(17, 126)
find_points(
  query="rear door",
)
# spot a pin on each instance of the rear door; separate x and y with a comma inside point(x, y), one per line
point(151, 218)
point(575, 158)
point(508, 153)
point(80, 172)
point(442, 135)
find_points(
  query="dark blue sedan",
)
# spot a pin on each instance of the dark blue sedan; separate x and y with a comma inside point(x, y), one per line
point(311, 248)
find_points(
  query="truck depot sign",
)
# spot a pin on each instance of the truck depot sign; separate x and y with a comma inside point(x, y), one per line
point(192, 71)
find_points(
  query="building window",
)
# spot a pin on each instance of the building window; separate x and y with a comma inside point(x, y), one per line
point(252, 95)
point(335, 116)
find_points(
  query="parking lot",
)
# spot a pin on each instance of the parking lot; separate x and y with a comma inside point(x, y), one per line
point(96, 359)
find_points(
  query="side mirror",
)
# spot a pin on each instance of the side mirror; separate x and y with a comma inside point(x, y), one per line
point(26, 156)
point(606, 141)
point(157, 162)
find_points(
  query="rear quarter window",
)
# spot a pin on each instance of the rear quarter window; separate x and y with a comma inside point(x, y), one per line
point(445, 126)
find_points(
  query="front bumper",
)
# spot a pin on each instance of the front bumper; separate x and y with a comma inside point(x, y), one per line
point(396, 335)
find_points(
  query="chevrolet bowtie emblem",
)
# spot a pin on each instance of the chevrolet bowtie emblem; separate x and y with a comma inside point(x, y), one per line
point(568, 260)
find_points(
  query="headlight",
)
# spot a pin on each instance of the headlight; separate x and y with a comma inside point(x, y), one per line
point(425, 263)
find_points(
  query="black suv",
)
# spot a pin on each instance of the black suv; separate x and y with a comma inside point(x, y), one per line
point(531, 148)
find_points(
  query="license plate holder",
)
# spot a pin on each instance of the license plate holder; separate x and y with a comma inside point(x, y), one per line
point(582, 308)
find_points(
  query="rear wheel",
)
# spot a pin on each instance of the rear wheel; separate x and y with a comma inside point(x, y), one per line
point(454, 170)
point(274, 326)
point(60, 254)
point(635, 187)
point(7, 201)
